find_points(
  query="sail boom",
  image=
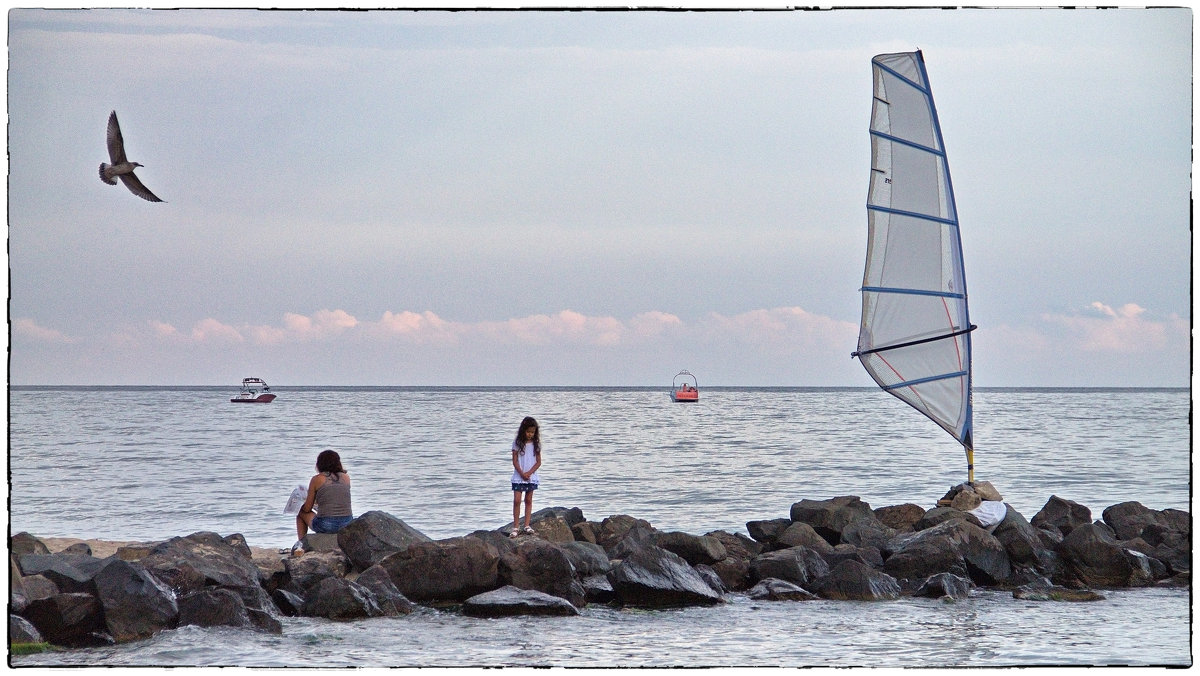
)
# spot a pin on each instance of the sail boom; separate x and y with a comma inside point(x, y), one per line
point(922, 381)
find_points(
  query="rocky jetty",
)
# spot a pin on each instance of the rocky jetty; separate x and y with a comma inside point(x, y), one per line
point(378, 566)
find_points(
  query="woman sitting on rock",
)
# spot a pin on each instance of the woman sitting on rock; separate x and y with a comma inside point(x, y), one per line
point(329, 493)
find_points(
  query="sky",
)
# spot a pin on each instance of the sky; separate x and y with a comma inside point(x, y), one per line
point(580, 198)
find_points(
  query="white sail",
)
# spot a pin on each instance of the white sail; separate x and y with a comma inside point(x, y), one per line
point(914, 338)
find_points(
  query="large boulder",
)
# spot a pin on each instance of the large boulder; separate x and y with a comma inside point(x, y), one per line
point(1097, 560)
point(447, 570)
point(205, 559)
point(621, 534)
point(74, 620)
point(1129, 519)
point(587, 558)
point(24, 543)
point(542, 566)
point(800, 534)
point(508, 601)
point(767, 531)
point(944, 585)
point(375, 535)
point(376, 580)
point(136, 605)
point(868, 532)
point(854, 581)
point(1061, 515)
point(734, 569)
point(70, 573)
point(695, 549)
point(829, 517)
point(337, 598)
point(652, 577)
point(306, 571)
point(1022, 542)
point(21, 630)
point(955, 546)
point(799, 565)
point(214, 607)
point(940, 515)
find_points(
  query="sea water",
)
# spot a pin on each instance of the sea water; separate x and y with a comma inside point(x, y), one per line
point(148, 463)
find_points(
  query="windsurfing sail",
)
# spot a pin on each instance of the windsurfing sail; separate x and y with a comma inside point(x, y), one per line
point(914, 338)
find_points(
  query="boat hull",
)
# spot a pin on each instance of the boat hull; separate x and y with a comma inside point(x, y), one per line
point(264, 398)
point(685, 397)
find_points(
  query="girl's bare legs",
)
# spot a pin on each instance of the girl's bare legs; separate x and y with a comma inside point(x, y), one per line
point(528, 507)
point(517, 510)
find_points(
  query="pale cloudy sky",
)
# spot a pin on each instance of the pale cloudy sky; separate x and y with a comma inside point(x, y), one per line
point(578, 198)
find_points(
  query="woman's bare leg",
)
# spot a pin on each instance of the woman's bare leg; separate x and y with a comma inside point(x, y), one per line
point(303, 522)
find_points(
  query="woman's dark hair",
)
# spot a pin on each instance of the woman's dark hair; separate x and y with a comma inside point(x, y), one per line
point(329, 461)
point(519, 444)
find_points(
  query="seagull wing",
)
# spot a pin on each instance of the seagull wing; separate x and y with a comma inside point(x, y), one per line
point(116, 144)
point(135, 186)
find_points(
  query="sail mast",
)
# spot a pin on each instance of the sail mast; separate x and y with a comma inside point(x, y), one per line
point(915, 333)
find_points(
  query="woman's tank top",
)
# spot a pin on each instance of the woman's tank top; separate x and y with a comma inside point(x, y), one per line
point(333, 496)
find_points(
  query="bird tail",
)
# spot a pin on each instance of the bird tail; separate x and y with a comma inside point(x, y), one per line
point(104, 177)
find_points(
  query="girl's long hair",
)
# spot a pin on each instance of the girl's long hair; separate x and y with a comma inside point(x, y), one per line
point(519, 443)
point(329, 461)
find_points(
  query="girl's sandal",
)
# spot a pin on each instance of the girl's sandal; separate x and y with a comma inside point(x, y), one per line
point(529, 530)
point(513, 533)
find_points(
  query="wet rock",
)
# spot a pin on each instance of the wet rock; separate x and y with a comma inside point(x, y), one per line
point(340, 599)
point(944, 585)
point(288, 603)
point(376, 580)
point(510, 601)
point(572, 515)
point(695, 549)
point(136, 605)
point(449, 570)
point(734, 569)
point(652, 577)
point(955, 546)
point(21, 630)
point(1061, 515)
point(303, 572)
point(1051, 593)
point(375, 535)
point(597, 589)
point(868, 555)
point(214, 607)
point(772, 589)
point(867, 532)
point(1095, 558)
point(1129, 519)
point(767, 531)
point(205, 559)
point(552, 528)
point(1022, 541)
point(620, 535)
point(541, 566)
point(854, 581)
point(902, 518)
point(712, 579)
point(73, 620)
point(798, 565)
point(38, 587)
point(70, 573)
point(585, 532)
point(800, 534)
point(829, 517)
point(587, 558)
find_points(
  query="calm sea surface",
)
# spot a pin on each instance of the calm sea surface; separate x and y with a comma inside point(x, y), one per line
point(151, 463)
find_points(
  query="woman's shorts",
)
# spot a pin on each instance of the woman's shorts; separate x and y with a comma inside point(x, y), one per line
point(330, 524)
point(524, 488)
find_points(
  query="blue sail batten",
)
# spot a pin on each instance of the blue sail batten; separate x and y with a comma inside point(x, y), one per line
point(911, 214)
point(921, 381)
point(910, 144)
point(914, 292)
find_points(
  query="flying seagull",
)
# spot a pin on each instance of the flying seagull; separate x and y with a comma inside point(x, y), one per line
point(122, 168)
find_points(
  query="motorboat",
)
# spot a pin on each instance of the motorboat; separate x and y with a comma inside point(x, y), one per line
point(684, 387)
point(254, 391)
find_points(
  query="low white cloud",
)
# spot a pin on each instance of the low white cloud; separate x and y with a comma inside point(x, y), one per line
point(1127, 329)
point(28, 329)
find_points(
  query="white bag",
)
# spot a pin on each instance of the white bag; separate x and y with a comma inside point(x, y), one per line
point(296, 500)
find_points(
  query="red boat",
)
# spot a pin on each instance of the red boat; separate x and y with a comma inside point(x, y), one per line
point(254, 391)
point(684, 387)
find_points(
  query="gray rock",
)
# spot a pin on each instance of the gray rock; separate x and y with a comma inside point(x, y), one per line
point(376, 580)
point(510, 601)
point(830, 517)
point(800, 534)
point(597, 589)
point(1097, 560)
point(1129, 519)
point(854, 581)
point(288, 603)
point(900, 517)
point(587, 558)
point(340, 599)
point(1022, 542)
point(452, 570)
point(1061, 515)
point(24, 543)
point(74, 620)
point(944, 585)
point(374, 536)
point(303, 572)
point(695, 549)
point(189, 564)
point(954, 546)
point(652, 577)
point(766, 531)
point(136, 605)
point(541, 566)
point(21, 630)
point(940, 515)
point(798, 565)
point(214, 607)
point(320, 542)
point(772, 589)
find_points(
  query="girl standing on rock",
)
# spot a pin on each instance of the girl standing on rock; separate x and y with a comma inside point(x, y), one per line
point(526, 459)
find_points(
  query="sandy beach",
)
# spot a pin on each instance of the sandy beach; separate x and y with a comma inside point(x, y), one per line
point(105, 548)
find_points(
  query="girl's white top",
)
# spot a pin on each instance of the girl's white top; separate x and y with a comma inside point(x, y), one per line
point(526, 459)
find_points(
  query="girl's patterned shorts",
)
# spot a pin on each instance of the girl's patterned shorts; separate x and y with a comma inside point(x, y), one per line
point(523, 488)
